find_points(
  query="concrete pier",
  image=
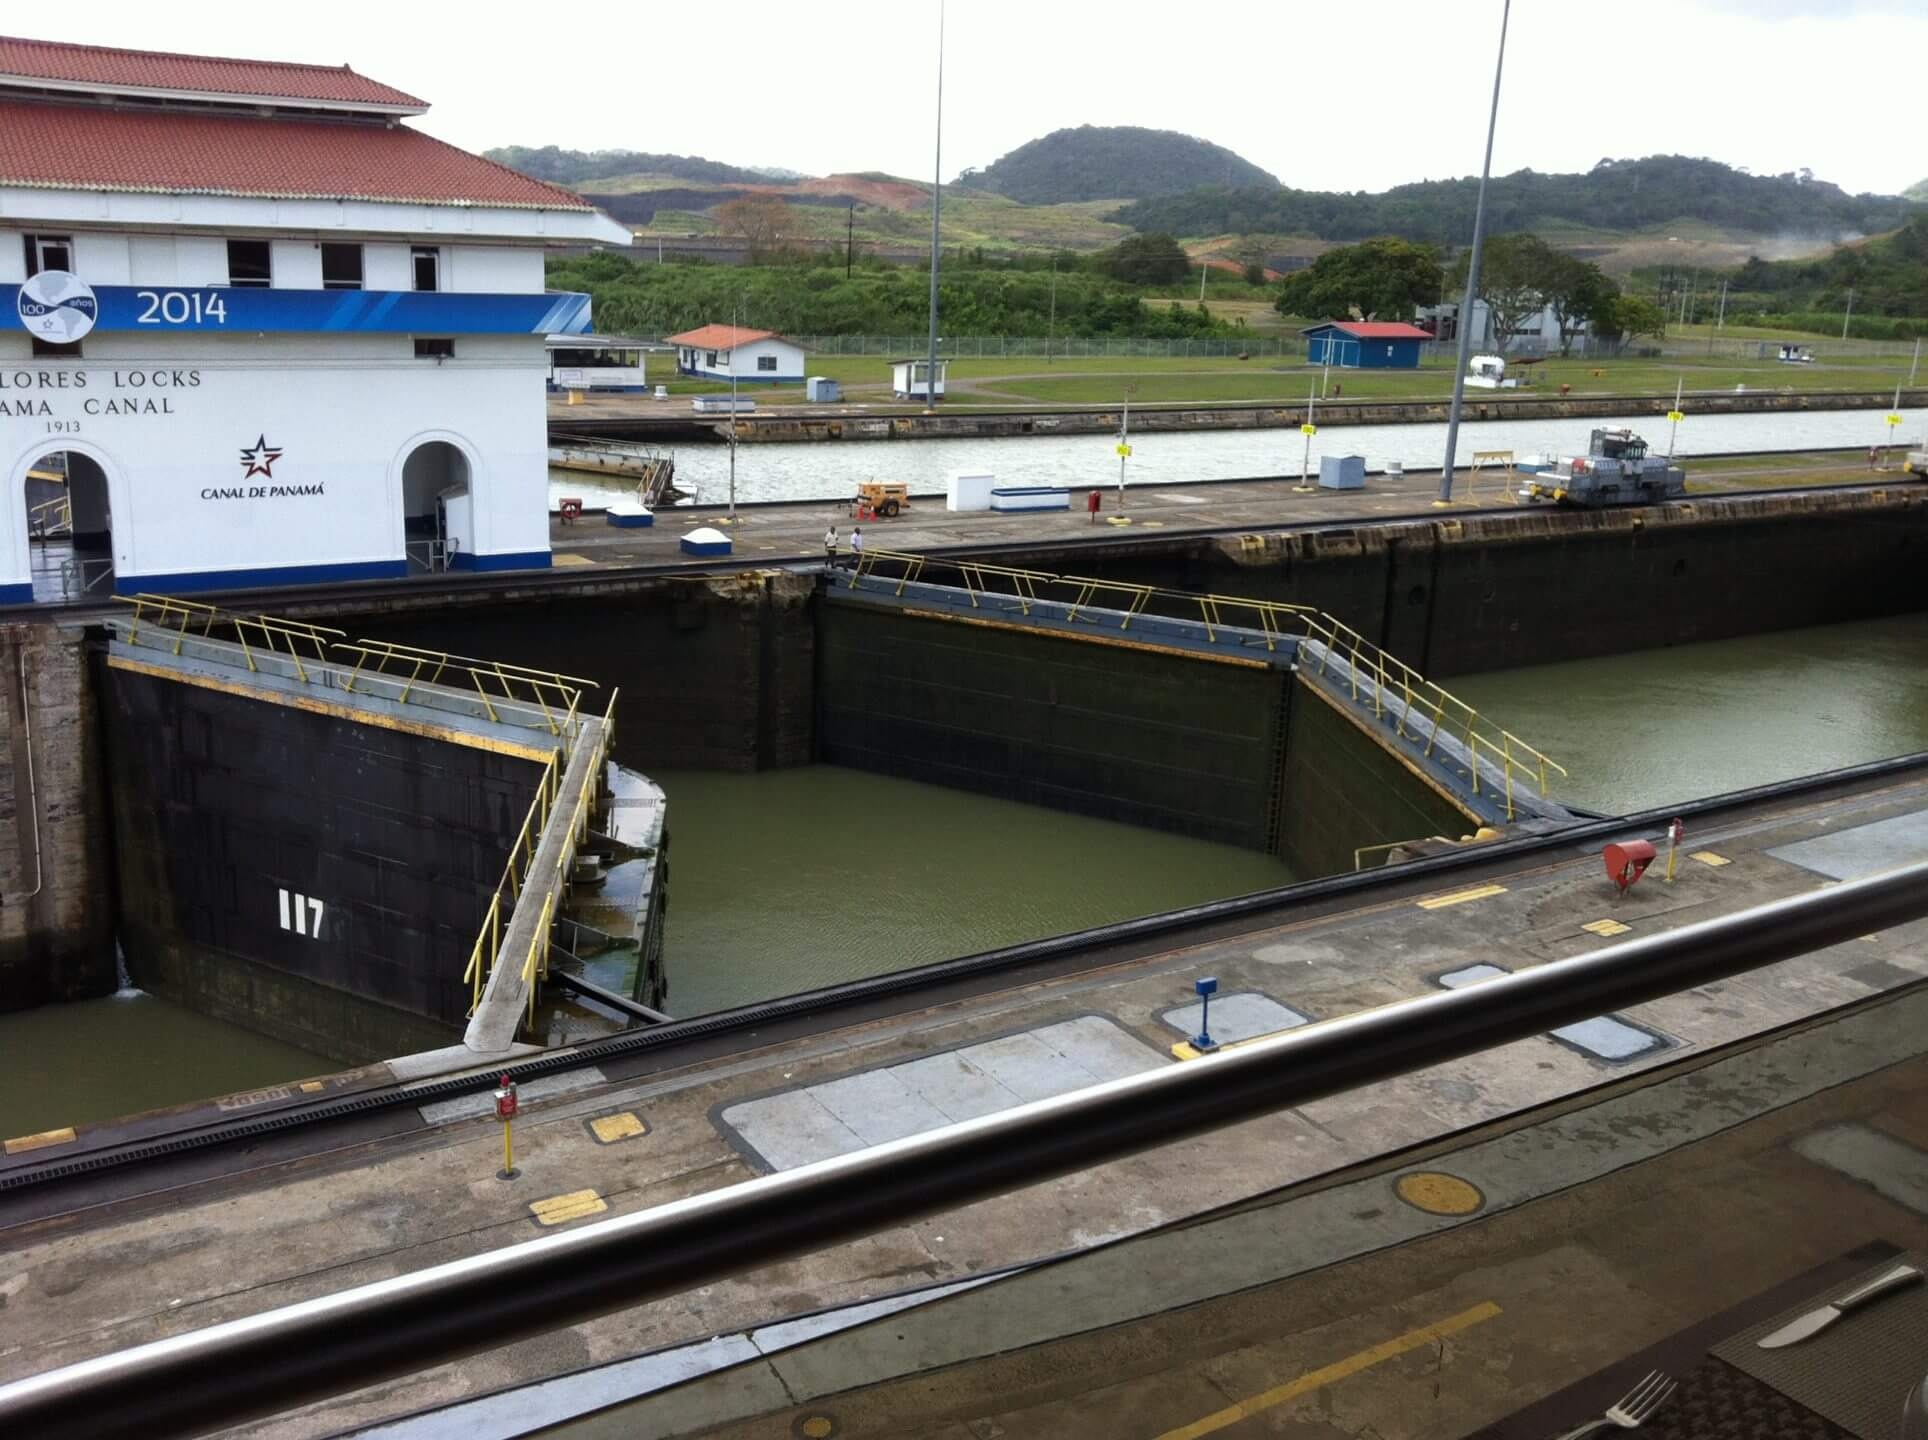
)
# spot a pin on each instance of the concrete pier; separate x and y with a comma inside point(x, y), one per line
point(100, 1266)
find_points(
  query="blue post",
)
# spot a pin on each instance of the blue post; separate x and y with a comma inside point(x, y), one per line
point(1206, 988)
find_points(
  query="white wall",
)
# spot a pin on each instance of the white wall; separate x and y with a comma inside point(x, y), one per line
point(491, 269)
point(345, 411)
point(386, 267)
point(295, 264)
point(34, 208)
point(101, 257)
point(119, 258)
point(743, 361)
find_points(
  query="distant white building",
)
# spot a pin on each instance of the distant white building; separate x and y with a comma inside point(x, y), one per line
point(718, 352)
point(1537, 332)
point(910, 379)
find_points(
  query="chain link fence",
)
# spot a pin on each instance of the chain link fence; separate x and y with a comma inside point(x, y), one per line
point(998, 347)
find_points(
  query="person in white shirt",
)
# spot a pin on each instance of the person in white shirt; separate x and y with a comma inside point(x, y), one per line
point(830, 547)
point(856, 546)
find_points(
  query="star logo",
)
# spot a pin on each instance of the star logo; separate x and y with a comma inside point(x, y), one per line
point(259, 458)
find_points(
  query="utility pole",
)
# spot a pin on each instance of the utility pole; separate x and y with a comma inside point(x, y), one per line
point(1308, 429)
point(1051, 325)
point(937, 183)
point(1124, 448)
point(1721, 319)
point(1915, 364)
point(734, 317)
point(850, 238)
point(1203, 270)
point(1472, 274)
point(1847, 313)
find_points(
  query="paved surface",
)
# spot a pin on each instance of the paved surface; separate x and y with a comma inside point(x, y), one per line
point(87, 1283)
point(795, 530)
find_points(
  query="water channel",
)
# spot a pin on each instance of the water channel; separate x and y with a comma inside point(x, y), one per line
point(786, 880)
point(813, 470)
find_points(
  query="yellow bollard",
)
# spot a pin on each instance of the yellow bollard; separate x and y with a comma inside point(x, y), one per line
point(505, 1108)
point(1674, 832)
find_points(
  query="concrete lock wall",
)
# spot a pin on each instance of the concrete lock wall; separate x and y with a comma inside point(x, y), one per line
point(304, 874)
point(715, 672)
point(1343, 790)
point(1453, 597)
point(1123, 732)
point(56, 886)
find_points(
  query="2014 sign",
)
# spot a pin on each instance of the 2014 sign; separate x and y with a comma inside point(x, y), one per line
point(180, 307)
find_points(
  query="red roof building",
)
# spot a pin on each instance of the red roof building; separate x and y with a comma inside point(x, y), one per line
point(194, 152)
point(721, 337)
point(56, 67)
point(1373, 329)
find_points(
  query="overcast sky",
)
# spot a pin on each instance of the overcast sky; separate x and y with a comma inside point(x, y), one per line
point(1772, 85)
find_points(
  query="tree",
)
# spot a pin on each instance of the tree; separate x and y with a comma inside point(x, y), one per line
point(1626, 317)
point(761, 220)
point(1514, 271)
point(1145, 260)
point(1377, 278)
point(1578, 292)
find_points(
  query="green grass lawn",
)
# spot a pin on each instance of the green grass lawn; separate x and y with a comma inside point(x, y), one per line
point(1180, 382)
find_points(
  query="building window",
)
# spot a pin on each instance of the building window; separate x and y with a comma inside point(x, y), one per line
point(340, 267)
point(439, 348)
point(428, 267)
point(55, 350)
point(249, 265)
point(712, 359)
point(49, 252)
point(766, 362)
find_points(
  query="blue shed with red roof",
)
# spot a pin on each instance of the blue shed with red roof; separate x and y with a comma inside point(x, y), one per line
point(1364, 344)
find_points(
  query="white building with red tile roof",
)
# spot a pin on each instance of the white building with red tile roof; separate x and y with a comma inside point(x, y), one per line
point(718, 352)
point(277, 335)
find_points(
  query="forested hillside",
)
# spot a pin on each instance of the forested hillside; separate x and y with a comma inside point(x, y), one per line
point(818, 299)
point(1614, 195)
point(576, 167)
point(1106, 162)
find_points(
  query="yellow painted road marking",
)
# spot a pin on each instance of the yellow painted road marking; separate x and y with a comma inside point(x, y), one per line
point(623, 1125)
point(562, 557)
point(1606, 927)
point(312, 1087)
point(19, 1145)
point(1708, 857)
point(1438, 1193)
point(558, 1209)
point(1338, 1370)
point(1460, 897)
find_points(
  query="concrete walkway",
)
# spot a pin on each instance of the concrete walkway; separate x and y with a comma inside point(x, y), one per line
point(83, 1284)
point(794, 531)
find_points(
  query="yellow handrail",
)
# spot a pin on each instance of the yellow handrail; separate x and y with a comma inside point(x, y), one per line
point(1370, 674)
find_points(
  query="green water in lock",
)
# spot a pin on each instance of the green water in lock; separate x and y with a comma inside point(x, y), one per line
point(1641, 731)
point(95, 1059)
point(786, 880)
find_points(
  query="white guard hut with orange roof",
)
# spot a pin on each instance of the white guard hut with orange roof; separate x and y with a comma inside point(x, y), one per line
point(718, 352)
point(270, 333)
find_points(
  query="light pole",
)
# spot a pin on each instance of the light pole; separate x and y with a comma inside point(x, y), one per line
point(1848, 313)
point(1124, 448)
point(1051, 325)
point(937, 178)
point(1472, 275)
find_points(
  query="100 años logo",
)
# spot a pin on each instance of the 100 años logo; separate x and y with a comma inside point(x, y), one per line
point(57, 307)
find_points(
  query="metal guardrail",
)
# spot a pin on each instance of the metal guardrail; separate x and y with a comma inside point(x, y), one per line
point(517, 879)
point(519, 695)
point(262, 1364)
point(1423, 710)
point(51, 519)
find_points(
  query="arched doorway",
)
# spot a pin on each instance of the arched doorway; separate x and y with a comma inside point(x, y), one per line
point(69, 526)
point(436, 523)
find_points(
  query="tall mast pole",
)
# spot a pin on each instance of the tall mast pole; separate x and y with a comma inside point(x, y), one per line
point(1472, 274)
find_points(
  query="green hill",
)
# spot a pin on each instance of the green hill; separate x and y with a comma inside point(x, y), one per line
point(1888, 274)
point(575, 167)
point(1112, 162)
point(1917, 191)
point(1616, 195)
